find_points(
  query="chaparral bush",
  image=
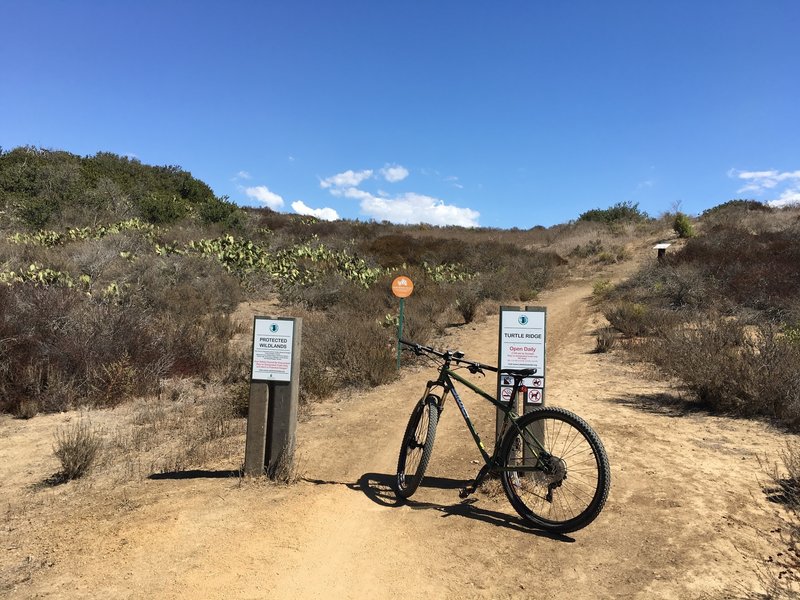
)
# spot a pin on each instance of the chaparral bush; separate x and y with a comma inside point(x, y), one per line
point(720, 314)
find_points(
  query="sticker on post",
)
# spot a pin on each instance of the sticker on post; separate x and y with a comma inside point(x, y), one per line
point(534, 396)
point(505, 394)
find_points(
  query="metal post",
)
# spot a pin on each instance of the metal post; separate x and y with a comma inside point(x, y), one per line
point(400, 329)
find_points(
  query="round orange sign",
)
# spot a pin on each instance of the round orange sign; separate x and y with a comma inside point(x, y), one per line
point(402, 286)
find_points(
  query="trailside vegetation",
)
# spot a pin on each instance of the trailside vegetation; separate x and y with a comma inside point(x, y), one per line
point(39, 187)
point(618, 213)
point(116, 276)
point(722, 314)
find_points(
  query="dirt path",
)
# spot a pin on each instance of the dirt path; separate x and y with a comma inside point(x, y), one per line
point(686, 517)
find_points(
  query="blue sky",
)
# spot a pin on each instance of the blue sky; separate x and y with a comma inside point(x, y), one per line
point(499, 114)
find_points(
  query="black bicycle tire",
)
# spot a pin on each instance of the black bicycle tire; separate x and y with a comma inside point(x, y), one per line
point(405, 486)
point(600, 495)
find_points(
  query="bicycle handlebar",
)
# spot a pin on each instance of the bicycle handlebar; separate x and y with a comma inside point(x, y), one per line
point(449, 355)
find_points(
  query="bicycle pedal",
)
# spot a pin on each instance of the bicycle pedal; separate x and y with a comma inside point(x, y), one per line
point(467, 491)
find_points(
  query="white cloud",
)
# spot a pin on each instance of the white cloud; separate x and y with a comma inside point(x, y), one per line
point(326, 214)
point(394, 173)
point(347, 179)
point(788, 198)
point(417, 208)
point(242, 175)
point(759, 182)
point(407, 208)
point(352, 192)
point(262, 194)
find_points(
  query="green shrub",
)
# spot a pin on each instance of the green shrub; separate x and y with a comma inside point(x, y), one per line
point(792, 334)
point(36, 212)
point(737, 205)
point(161, 209)
point(601, 288)
point(683, 226)
point(620, 212)
point(613, 255)
point(634, 319)
point(219, 210)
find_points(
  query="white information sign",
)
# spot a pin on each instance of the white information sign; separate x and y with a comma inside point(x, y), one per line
point(522, 346)
point(522, 340)
point(272, 349)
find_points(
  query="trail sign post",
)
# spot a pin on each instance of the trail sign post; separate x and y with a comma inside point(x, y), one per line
point(662, 250)
point(521, 346)
point(274, 389)
point(402, 287)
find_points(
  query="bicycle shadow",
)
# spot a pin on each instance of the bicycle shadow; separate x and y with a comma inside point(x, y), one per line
point(378, 487)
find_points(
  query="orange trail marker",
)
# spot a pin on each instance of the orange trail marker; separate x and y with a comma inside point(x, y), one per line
point(402, 287)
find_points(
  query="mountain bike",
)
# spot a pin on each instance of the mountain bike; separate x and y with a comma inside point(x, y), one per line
point(552, 465)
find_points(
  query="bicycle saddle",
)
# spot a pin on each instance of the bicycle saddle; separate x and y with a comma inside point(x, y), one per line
point(520, 372)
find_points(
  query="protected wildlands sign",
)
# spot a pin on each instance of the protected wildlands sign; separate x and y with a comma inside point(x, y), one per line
point(272, 349)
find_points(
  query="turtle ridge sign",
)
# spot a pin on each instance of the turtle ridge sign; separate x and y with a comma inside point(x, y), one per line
point(522, 346)
point(522, 338)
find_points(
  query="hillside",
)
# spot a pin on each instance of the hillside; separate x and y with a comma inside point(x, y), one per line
point(139, 269)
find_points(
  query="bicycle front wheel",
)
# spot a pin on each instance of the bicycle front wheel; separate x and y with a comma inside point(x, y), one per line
point(556, 471)
point(417, 445)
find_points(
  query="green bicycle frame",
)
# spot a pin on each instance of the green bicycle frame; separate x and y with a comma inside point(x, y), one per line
point(446, 377)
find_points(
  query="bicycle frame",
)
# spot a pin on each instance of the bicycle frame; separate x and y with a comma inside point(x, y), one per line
point(445, 381)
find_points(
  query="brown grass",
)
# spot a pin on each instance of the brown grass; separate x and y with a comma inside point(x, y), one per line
point(780, 574)
point(721, 314)
point(77, 447)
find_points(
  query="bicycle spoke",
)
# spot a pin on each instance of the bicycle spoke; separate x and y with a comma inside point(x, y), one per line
point(560, 477)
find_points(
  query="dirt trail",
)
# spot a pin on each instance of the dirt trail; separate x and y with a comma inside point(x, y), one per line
point(686, 516)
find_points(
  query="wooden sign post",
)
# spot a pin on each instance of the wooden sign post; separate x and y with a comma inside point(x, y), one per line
point(274, 392)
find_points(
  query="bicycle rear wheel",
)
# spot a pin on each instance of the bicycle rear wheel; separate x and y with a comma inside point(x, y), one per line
point(417, 445)
point(556, 473)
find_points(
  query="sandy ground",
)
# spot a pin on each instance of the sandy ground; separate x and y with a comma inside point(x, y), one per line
point(687, 516)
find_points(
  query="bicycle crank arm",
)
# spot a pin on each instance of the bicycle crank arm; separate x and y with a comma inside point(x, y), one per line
point(471, 487)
